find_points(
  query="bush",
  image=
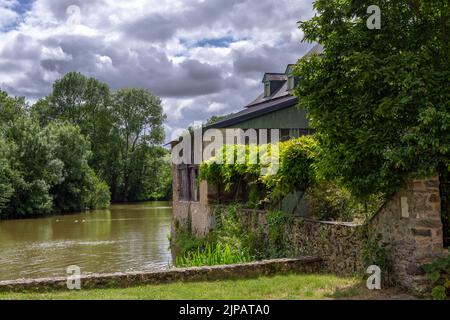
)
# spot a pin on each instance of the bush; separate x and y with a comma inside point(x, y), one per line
point(327, 201)
point(237, 238)
point(295, 170)
point(439, 274)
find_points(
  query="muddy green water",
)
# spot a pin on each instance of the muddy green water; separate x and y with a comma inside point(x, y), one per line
point(132, 237)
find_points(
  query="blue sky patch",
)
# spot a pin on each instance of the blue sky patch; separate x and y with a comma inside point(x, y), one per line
point(222, 42)
point(21, 8)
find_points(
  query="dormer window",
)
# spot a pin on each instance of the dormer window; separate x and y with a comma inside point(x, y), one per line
point(273, 82)
point(292, 81)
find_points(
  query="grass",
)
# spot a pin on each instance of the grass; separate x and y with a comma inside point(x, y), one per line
point(281, 287)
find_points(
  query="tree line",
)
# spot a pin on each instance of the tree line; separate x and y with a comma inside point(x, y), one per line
point(81, 147)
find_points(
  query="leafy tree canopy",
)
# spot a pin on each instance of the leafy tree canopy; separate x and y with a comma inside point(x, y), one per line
point(379, 99)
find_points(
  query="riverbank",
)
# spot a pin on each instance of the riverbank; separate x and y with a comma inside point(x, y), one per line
point(280, 287)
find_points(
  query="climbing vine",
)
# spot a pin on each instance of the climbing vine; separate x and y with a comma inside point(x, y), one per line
point(295, 170)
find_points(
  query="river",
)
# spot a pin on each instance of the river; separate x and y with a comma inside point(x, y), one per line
point(131, 237)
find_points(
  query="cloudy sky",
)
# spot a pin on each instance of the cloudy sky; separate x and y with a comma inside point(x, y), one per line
point(202, 57)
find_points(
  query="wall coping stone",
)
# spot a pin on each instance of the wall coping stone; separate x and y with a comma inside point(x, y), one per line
point(306, 264)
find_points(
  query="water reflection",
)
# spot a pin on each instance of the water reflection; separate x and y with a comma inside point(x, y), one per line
point(123, 238)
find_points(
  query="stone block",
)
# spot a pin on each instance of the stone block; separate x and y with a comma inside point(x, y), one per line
point(421, 232)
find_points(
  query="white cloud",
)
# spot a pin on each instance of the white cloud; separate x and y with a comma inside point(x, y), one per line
point(202, 57)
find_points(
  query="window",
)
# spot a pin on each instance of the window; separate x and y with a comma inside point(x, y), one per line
point(187, 183)
point(291, 83)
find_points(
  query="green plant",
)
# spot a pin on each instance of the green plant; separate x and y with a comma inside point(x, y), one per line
point(328, 201)
point(439, 275)
point(295, 172)
point(378, 99)
point(278, 244)
point(212, 255)
point(376, 253)
point(237, 237)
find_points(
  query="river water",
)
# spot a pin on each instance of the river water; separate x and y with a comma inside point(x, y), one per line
point(132, 237)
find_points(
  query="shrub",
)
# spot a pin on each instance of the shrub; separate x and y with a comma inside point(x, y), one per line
point(327, 201)
point(297, 172)
point(212, 255)
point(237, 237)
point(439, 274)
point(278, 222)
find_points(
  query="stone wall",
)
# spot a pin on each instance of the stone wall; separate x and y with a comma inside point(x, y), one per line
point(411, 228)
point(338, 244)
point(409, 225)
point(123, 280)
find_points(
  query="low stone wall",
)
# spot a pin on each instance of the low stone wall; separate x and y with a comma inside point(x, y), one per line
point(338, 244)
point(214, 273)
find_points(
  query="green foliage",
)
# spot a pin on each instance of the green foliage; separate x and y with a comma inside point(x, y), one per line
point(124, 129)
point(6, 186)
point(329, 202)
point(138, 117)
point(295, 169)
point(278, 224)
point(439, 275)
point(79, 188)
point(215, 119)
point(374, 253)
point(235, 239)
point(44, 169)
point(79, 146)
point(379, 99)
point(297, 172)
point(209, 256)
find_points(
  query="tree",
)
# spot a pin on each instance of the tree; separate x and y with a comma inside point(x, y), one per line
point(44, 169)
point(79, 188)
point(379, 99)
point(215, 119)
point(84, 102)
point(6, 186)
point(139, 117)
point(150, 176)
point(121, 128)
